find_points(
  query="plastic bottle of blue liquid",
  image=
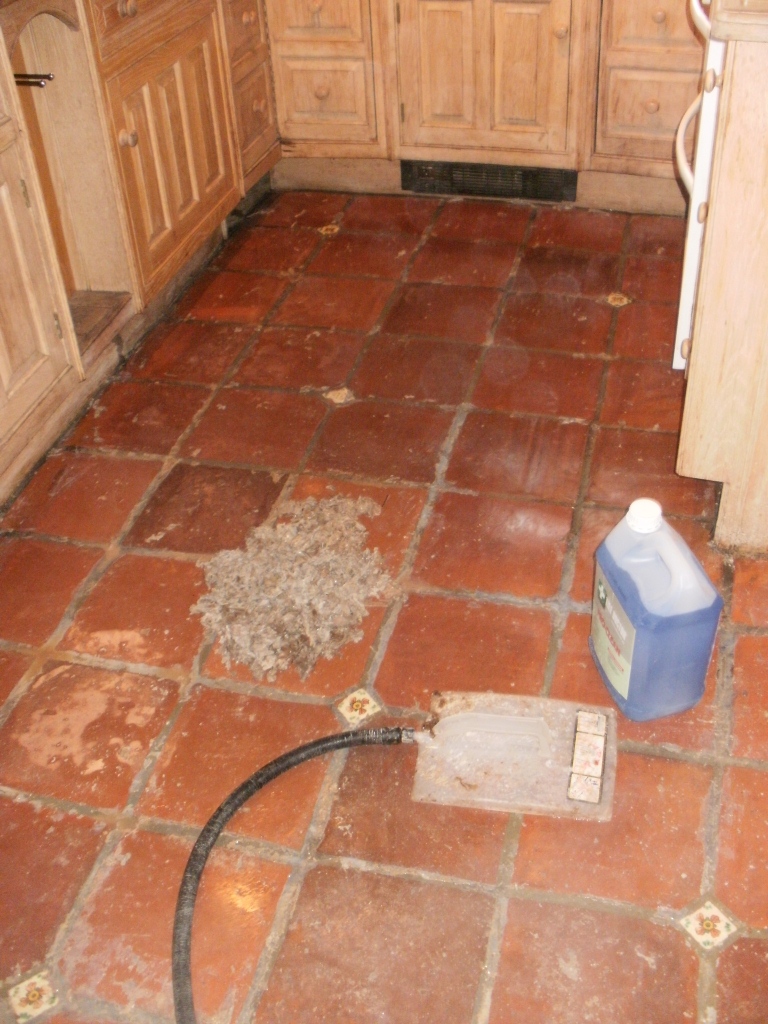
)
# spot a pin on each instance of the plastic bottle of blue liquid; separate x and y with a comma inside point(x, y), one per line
point(654, 616)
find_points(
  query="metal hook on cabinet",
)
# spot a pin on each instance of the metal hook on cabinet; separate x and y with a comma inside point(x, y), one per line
point(36, 79)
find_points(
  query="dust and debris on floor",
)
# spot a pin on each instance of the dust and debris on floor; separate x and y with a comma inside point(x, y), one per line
point(298, 591)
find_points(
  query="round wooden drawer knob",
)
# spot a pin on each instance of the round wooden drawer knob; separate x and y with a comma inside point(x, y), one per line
point(322, 92)
point(659, 16)
point(561, 31)
point(259, 107)
point(316, 6)
point(127, 8)
point(249, 17)
point(128, 139)
point(652, 106)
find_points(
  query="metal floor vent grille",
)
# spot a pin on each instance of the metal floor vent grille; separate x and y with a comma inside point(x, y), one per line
point(488, 180)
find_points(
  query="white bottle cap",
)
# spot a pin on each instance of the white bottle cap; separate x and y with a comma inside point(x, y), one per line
point(644, 516)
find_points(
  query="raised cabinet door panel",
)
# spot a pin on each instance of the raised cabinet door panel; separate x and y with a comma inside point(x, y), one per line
point(652, 24)
point(326, 98)
point(317, 20)
point(32, 356)
point(254, 113)
point(245, 29)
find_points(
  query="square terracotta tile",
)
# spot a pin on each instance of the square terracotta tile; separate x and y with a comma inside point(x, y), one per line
point(12, 668)
point(139, 417)
point(205, 509)
point(230, 296)
point(567, 272)
point(367, 948)
point(447, 644)
point(561, 322)
point(571, 965)
point(82, 497)
point(139, 611)
point(349, 255)
point(742, 861)
point(644, 395)
point(256, 427)
point(578, 229)
point(483, 221)
point(82, 733)
point(296, 358)
point(374, 818)
point(742, 982)
point(495, 545)
point(382, 440)
point(652, 279)
point(119, 948)
point(522, 380)
point(302, 209)
point(37, 582)
point(657, 236)
point(415, 369)
point(460, 313)
point(35, 900)
point(269, 250)
point(347, 304)
point(519, 455)
point(596, 524)
point(394, 214)
point(190, 352)
point(750, 703)
point(197, 770)
point(460, 261)
point(750, 591)
point(650, 853)
point(646, 330)
point(629, 463)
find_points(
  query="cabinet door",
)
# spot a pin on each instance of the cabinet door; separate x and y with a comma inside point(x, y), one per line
point(32, 355)
point(169, 115)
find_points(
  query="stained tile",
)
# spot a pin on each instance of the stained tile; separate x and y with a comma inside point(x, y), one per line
point(651, 852)
point(567, 272)
point(750, 591)
point(483, 221)
point(231, 297)
point(742, 863)
point(382, 440)
point(646, 330)
point(217, 742)
point(119, 949)
point(460, 261)
point(205, 509)
point(269, 250)
point(652, 279)
point(750, 698)
point(139, 417)
point(39, 580)
point(494, 544)
point(196, 353)
point(394, 214)
point(521, 380)
point(709, 926)
point(256, 427)
point(571, 965)
point(286, 357)
point(515, 455)
point(561, 322)
point(445, 644)
point(364, 256)
point(657, 236)
point(12, 668)
point(350, 952)
point(742, 983)
point(343, 303)
point(425, 371)
point(301, 209)
point(357, 707)
point(32, 840)
point(82, 733)
point(460, 313)
point(628, 464)
point(645, 395)
point(81, 497)
point(374, 818)
point(139, 611)
point(578, 229)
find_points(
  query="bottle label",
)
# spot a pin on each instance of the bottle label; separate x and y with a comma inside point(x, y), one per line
point(613, 635)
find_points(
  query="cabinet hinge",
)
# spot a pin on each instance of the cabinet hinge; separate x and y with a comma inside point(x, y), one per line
point(397, 13)
point(57, 324)
point(25, 193)
point(402, 112)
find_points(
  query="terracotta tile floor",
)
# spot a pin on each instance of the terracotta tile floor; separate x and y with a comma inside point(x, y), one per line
point(502, 413)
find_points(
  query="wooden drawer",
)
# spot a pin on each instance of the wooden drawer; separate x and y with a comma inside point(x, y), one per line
point(640, 110)
point(649, 24)
point(326, 98)
point(317, 20)
point(244, 20)
point(127, 29)
point(255, 115)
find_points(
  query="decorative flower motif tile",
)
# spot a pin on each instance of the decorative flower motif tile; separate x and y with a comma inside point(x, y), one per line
point(32, 997)
point(358, 706)
point(709, 925)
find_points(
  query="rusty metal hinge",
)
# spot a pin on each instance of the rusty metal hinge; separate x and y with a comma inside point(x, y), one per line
point(57, 322)
point(402, 112)
point(25, 193)
point(397, 13)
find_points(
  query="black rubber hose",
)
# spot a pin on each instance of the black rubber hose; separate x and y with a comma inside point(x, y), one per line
point(181, 962)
